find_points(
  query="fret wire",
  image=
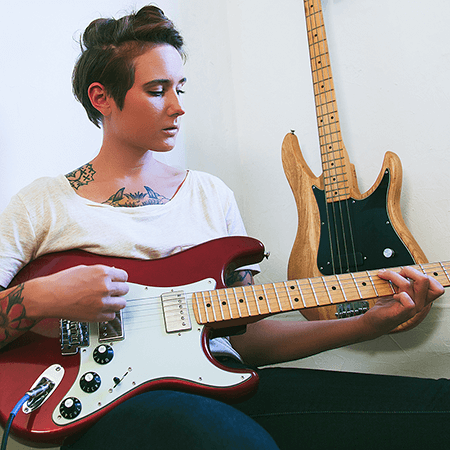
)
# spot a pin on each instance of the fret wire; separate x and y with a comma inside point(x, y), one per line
point(266, 297)
point(206, 310)
point(276, 294)
point(289, 295)
point(212, 305)
point(342, 288)
point(422, 268)
point(221, 309)
point(198, 307)
point(230, 310)
point(392, 286)
point(313, 291)
point(237, 303)
point(333, 168)
point(322, 128)
point(356, 285)
point(326, 287)
point(256, 300)
point(344, 181)
point(245, 300)
point(445, 271)
point(330, 103)
point(323, 80)
point(301, 293)
point(373, 284)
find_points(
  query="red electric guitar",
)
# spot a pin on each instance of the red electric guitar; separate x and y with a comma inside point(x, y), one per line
point(160, 340)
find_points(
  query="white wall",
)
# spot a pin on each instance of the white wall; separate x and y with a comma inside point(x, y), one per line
point(249, 84)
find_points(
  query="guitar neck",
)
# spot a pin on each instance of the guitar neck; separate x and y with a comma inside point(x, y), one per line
point(335, 165)
point(218, 307)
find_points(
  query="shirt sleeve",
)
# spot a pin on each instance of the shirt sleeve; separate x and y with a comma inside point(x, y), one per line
point(17, 239)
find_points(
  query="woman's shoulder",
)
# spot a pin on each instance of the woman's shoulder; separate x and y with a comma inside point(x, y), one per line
point(43, 186)
point(207, 179)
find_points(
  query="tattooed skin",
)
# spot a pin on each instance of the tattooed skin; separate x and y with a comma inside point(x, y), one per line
point(137, 199)
point(13, 318)
point(241, 278)
point(81, 176)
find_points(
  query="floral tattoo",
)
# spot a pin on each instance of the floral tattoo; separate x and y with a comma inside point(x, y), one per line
point(81, 176)
point(13, 319)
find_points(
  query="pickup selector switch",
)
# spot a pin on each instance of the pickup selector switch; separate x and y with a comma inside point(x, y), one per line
point(103, 354)
point(90, 382)
point(70, 408)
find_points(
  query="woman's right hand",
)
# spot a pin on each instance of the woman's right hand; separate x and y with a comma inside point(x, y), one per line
point(81, 293)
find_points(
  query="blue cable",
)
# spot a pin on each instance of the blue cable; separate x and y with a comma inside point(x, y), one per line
point(13, 414)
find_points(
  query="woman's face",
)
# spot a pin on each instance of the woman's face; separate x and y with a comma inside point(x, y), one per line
point(150, 117)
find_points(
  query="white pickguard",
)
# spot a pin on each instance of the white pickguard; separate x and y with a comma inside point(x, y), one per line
point(148, 352)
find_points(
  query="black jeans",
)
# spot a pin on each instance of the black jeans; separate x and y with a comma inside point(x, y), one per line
point(299, 408)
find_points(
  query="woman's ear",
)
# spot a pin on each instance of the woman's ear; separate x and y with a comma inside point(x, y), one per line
point(99, 99)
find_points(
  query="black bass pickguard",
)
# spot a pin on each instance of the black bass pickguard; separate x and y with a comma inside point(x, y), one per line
point(357, 235)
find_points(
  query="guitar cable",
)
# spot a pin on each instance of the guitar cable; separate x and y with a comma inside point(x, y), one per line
point(33, 393)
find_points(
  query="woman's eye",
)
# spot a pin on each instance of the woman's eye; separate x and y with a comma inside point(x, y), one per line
point(156, 93)
point(179, 91)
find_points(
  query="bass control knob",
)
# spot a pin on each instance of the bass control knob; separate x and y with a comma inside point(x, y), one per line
point(103, 354)
point(70, 408)
point(388, 253)
point(90, 382)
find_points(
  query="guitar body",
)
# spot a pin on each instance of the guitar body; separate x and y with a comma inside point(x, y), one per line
point(149, 357)
point(373, 219)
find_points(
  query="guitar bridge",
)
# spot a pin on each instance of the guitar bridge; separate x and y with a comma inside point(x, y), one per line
point(73, 335)
point(351, 309)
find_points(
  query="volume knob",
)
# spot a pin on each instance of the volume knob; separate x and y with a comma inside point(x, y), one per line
point(103, 354)
point(70, 408)
point(90, 382)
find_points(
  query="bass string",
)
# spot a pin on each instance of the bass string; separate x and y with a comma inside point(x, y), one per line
point(324, 73)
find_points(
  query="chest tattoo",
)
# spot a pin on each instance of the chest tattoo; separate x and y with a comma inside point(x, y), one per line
point(81, 176)
point(150, 197)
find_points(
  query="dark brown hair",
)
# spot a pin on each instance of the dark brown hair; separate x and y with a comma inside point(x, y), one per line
point(109, 47)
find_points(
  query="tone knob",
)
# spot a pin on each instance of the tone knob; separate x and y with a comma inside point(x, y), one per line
point(103, 354)
point(70, 408)
point(90, 382)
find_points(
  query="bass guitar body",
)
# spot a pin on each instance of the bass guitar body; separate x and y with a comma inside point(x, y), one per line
point(362, 232)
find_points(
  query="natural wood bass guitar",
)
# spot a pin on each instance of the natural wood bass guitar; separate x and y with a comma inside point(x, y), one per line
point(339, 229)
point(160, 340)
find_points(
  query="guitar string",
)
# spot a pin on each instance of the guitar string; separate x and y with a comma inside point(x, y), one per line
point(339, 286)
point(312, 54)
point(342, 206)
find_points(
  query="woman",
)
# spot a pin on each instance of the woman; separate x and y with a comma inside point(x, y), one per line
point(124, 202)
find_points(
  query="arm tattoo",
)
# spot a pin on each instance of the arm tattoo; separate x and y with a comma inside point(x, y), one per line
point(81, 176)
point(240, 278)
point(13, 319)
point(137, 199)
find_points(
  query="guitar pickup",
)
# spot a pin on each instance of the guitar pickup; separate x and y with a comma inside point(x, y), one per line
point(175, 312)
point(112, 330)
point(351, 309)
